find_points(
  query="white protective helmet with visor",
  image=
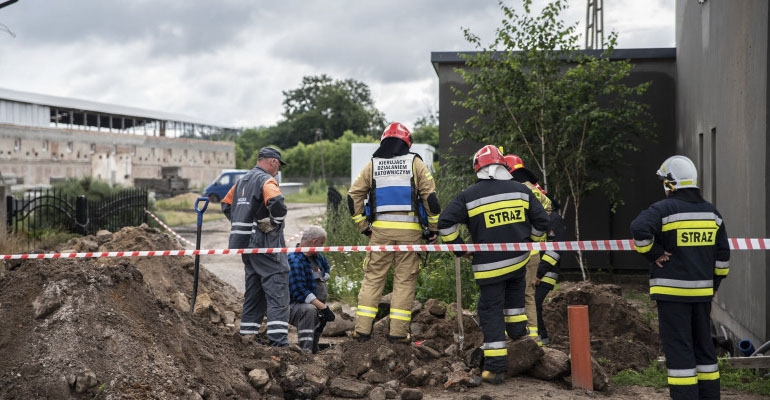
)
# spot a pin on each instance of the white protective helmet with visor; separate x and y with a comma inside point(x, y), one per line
point(678, 172)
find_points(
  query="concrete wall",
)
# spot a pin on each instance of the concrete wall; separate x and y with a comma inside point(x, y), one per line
point(38, 154)
point(722, 49)
point(640, 187)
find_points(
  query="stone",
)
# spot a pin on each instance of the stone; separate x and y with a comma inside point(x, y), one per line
point(258, 378)
point(554, 364)
point(349, 388)
point(522, 355)
point(84, 381)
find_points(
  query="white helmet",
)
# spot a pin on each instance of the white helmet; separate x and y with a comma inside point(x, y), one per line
point(678, 172)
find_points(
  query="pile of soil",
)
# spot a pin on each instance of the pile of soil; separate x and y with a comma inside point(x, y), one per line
point(120, 328)
point(621, 338)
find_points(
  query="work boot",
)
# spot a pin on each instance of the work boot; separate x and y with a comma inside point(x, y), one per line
point(400, 339)
point(545, 341)
point(494, 378)
point(361, 337)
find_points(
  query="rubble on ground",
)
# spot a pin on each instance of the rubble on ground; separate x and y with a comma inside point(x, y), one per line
point(120, 328)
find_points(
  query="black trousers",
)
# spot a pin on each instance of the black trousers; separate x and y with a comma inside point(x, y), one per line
point(541, 291)
point(493, 299)
point(685, 334)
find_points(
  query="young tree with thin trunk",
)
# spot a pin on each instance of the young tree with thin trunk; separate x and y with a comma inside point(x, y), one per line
point(567, 112)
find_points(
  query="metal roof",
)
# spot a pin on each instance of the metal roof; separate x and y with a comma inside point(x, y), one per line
point(96, 107)
point(455, 57)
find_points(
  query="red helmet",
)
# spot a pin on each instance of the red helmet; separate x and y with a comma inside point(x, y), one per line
point(513, 162)
point(397, 130)
point(487, 155)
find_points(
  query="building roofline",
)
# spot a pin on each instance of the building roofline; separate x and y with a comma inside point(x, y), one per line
point(454, 57)
point(97, 107)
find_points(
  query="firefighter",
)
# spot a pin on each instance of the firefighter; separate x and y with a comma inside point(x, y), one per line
point(496, 209)
point(257, 211)
point(394, 186)
point(685, 239)
point(521, 174)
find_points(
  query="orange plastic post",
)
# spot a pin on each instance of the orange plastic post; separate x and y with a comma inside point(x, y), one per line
point(580, 348)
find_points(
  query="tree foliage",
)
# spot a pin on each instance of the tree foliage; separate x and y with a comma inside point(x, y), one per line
point(321, 159)
point(568, 114)
point(330, 107)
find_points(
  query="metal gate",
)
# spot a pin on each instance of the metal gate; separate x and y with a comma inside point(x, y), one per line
point(44, 210)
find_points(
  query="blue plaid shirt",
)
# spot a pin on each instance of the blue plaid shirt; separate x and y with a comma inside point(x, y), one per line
point(301, 283)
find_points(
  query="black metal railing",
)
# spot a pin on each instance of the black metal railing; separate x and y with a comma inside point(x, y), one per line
point(41, 211)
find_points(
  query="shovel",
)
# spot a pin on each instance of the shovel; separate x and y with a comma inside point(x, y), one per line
point(458, 288)
point(200, 212)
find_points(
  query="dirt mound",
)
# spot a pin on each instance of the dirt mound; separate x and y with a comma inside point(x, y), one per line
point(120, 328)
point(621, 338)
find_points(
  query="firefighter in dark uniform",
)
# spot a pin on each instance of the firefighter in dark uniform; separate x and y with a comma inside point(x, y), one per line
point(525, 176)
point(685, 239)
point(397, 185)
point(496, 209)
point(257, 214)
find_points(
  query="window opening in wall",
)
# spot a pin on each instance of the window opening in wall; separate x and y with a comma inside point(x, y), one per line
point(69, 147)
point(17, 144)
point(45, 145)
point(93, 148)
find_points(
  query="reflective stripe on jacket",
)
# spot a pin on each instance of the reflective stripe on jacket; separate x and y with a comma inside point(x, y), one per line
point(692, 230)
point(495, 211)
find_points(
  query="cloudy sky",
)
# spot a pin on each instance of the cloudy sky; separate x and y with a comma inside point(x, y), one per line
point(228, 61)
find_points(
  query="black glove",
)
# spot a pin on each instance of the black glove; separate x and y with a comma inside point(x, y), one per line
point(327, 314)
point(367, 232)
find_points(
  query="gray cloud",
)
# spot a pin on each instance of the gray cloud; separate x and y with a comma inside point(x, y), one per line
point(228, 61)
point(172, 27)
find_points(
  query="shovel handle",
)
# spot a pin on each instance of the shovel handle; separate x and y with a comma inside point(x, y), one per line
point(458, 288)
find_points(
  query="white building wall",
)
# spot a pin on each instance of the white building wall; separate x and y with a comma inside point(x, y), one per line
point(24, 114)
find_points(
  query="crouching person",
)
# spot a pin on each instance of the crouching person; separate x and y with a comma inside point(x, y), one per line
point(307, 284)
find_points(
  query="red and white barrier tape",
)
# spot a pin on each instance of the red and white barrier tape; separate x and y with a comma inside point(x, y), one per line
point(289, 240)
point(176, 235)
point(586, 245)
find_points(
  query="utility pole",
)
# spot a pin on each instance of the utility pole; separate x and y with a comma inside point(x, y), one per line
point(594, 24)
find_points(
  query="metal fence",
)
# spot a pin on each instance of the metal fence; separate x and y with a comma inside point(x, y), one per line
point(44, 210)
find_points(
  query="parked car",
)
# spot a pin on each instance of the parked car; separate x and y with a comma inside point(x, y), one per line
point(218, 189)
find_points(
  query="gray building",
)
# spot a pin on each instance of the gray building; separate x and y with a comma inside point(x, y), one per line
point(48, 137)
point(709, 101)
point(722, 124)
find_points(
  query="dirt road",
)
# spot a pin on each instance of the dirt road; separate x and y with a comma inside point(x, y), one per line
point(215, 234)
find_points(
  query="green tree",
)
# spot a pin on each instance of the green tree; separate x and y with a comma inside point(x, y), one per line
point(323, 108)
point(426, 130)
point(325, 158)
point(567, 113)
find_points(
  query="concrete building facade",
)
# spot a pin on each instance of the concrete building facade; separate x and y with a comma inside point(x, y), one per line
point(722, 125)
point(44, 138)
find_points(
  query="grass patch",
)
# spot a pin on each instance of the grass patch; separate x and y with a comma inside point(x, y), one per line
point(753, 381)
point(316, 192)
point(179, 218)
point(744, 379)
point(183, 202)
point(652, 376)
